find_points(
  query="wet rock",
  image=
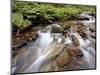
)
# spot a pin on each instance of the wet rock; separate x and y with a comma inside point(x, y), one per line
point(92, 28)
point(57, 54)
point(83, 34)
point(76, 59)
point(58, 62)
point(82, 31)
point(63, 59)
point(69, 59)
point(22, 41)
point(75, 40)
point(79, 54)
point(93, 35)
point(73, 65)
point(56, 29)
point(73, 51)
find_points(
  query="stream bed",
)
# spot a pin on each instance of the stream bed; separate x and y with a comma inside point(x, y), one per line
point(73, 50)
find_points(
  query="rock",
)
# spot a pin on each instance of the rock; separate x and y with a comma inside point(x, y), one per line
point(63, 59)
point(67, 27)
point(93, 35)
point(75, 52)
point(92, 28)
point(75, 40)
point(83, 34)
point(56, 29)
point(24, 42)
point(79, 54)
point(82, 31)
point(67, 60)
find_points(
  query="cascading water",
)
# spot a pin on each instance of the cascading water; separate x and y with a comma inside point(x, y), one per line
point(87, 45)
point(39, 51)
point(38, 47)
point(87, 15)
point(44, 41)
point(88, 52)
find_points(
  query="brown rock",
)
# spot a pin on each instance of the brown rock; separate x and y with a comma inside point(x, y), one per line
point(75, 52)
point(82, 30)
point(93, 35)
point(63, 59)
point(75, 40)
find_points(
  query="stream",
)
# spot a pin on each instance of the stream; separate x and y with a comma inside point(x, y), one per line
point(42, 49)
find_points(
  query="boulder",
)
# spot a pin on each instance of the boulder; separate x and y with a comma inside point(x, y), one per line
point(56, 29)
point(63, 59)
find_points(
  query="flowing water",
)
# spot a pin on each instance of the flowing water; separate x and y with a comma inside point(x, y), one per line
point(88, 51)
point(37, 53)
point(87, 45)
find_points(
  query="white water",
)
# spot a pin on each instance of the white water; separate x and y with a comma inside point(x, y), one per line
point(86, 44)
point(36, 65)
point(91, 18)
point(88, 52)
point(45, 40)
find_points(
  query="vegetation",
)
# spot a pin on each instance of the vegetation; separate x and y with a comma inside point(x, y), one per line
point(24, 13)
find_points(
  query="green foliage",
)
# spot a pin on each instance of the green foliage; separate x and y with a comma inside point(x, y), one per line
point(42, 11)
point(17, 20)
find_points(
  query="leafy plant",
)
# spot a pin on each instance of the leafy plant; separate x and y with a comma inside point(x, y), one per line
point(24, 13)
